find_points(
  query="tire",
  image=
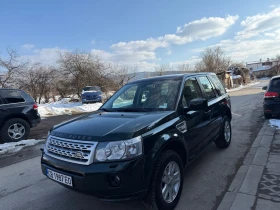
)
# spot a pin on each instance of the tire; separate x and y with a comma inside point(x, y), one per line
point(267, 116)
point(224, 140)
point(154, 199)
point(22, 127)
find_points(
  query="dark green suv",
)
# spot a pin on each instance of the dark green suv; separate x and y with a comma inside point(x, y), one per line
point(137, 143)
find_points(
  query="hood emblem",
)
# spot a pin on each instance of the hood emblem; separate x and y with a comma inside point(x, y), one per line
point(79, 155)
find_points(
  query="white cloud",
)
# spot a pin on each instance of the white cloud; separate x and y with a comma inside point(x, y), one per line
point(202, 29)
point(270, 34)
point(125, 56)
point(246, 50)
point(48, 56)
point(206, 28)
point(260, 23)
point(141, 45)
point(28, 46)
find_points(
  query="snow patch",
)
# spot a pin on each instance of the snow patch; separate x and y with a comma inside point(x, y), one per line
point(13, 147)
point(66, 108)
point(274, 123)
point(242, 87)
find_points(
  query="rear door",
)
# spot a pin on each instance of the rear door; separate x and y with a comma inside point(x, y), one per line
point(196, 123)
point(213, 115)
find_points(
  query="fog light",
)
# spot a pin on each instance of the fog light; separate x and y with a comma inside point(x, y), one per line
point(114, 180)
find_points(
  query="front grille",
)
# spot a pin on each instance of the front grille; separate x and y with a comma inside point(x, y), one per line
point(74, 151)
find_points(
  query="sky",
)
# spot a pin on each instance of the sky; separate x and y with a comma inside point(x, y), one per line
point(144, 33)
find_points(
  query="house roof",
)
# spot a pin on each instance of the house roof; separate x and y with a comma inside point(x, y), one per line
point(263, 68)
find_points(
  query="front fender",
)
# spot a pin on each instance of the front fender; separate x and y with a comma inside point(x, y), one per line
point(162, 138)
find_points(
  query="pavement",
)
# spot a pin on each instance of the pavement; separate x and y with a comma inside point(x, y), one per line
point(257, 182)
point(207, 180)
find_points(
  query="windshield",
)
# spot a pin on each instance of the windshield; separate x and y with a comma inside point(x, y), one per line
point(91, 88)
point(145, 96)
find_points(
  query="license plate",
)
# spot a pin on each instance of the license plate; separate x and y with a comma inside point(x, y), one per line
point(59, 177)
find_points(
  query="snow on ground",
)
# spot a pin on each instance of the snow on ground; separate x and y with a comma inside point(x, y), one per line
point(274, 123)
point(62, 108)
point(14, 147)
point(242, 87)
point(265, 78)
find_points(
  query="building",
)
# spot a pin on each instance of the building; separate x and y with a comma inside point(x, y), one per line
point(261, 65)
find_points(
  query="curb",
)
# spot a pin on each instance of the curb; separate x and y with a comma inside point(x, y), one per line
point(243, 189)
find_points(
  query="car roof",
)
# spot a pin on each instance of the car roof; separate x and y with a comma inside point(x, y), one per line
point(167, 77)
point(275, 77)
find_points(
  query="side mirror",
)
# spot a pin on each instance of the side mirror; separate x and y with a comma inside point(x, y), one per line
point(264, 88)
point(198, 104)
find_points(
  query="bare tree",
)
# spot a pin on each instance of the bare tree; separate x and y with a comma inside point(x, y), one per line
point(162, 70)
point(84, 69)
point(37, 81)
point(10, 67)
point(185, 67)
point(213, 60)
point(123, 74)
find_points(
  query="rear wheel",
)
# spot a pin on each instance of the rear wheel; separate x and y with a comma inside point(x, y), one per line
point(14, 130)
point(224, 140)
point(167, 182)
point(267, 116)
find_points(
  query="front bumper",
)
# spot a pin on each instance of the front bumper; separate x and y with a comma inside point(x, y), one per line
point(95, 179)
point(92, 100)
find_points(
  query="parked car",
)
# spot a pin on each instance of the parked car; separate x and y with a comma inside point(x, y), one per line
point(18, 113)
point(91, 94)
point(271, 102)
point(137, 143)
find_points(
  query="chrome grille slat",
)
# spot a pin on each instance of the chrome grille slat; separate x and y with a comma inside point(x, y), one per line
point(66, 149)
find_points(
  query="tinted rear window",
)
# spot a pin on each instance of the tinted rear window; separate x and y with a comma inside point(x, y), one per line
point(218, 85)
point(274, 85)
point(27, 97)
point(12, 96)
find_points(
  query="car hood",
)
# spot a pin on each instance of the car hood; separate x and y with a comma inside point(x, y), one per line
point(104, 126)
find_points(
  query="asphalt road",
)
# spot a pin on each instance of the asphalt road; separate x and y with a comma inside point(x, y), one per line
point(22, 186)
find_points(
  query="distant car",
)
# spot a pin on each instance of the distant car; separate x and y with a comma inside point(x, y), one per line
point(91, 94)
point(271, 103)
point(18, 113)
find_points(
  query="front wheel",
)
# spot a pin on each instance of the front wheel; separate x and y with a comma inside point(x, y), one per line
point(223, 141)
point(167, 183)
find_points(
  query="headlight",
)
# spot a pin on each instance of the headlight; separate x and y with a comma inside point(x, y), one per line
point(118, 150)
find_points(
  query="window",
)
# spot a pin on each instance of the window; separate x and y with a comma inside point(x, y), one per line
point(158, 95)
point(274, 85)
point(191, 91)
point(210, 94)
point(126, 98)
point(12, 96)
point(217, 83)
